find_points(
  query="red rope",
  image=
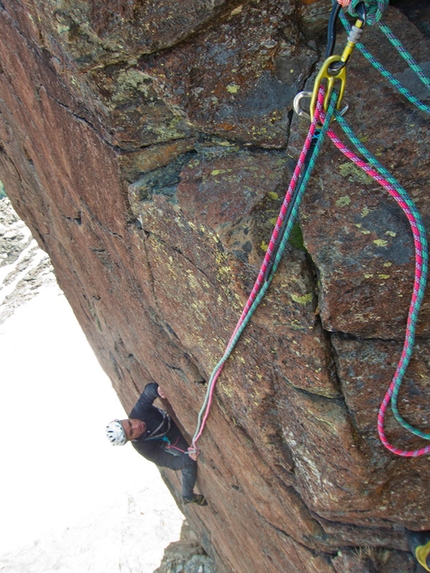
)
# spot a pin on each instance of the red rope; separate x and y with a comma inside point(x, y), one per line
point(318, 119)
point(173, 447)
point(270, 250)
point(284, 208)
point(418, 270)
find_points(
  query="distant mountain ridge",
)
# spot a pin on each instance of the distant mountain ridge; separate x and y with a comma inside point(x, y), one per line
point(24, 267)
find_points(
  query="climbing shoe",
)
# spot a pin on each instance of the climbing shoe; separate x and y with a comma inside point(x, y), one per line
point(419, 544)
point(197, 499)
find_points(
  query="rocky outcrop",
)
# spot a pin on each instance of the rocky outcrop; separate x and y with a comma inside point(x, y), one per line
point(24, 268)
point(148, 145)
point(186, 555)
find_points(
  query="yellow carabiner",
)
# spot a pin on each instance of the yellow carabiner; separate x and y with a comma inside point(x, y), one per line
point(422, 553)
point(327, 72)
point(334, 69)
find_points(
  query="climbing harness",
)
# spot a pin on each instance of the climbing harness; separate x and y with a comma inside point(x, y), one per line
point(173, 448)
point(162, 436)
point(156, 434)
point(325, 107)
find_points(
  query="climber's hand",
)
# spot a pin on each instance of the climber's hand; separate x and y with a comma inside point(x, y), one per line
point(193, 453)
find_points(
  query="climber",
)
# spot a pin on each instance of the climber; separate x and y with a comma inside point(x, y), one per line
point(157, 438)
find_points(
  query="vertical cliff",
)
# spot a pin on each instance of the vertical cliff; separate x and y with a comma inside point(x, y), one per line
point(148, 145)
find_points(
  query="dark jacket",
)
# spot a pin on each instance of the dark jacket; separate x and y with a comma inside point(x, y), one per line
point(151, 445)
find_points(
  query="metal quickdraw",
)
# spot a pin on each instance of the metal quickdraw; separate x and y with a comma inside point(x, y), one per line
point(333, 70)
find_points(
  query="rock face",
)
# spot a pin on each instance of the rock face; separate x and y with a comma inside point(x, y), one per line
point(148, 146)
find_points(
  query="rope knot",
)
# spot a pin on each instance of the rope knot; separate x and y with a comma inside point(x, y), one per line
point(374, 9)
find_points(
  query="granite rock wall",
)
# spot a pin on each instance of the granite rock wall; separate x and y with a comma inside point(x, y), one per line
point(148, 146)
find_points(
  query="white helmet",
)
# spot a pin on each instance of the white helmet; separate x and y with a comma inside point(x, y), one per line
point(115, 433)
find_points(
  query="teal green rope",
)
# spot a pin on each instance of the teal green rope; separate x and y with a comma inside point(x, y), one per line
point(420, 294)
point(374, 10)
point(405, 54)
point(293, 216)
point(302, 187)
point(385, 173)
point(385, 73)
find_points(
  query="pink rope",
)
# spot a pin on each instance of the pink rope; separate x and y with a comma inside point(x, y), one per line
point(284, 208)
point(318, 119)
point(418, 269)
point(270, 250)
point(174, 447)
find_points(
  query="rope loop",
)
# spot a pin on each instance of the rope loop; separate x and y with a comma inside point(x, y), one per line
point(374, 9)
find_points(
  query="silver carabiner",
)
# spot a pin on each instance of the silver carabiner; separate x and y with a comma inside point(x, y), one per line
point(301, 112)
point(296, 104)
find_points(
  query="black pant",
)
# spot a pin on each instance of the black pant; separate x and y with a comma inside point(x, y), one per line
point(172, 454)
point(178, 448)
